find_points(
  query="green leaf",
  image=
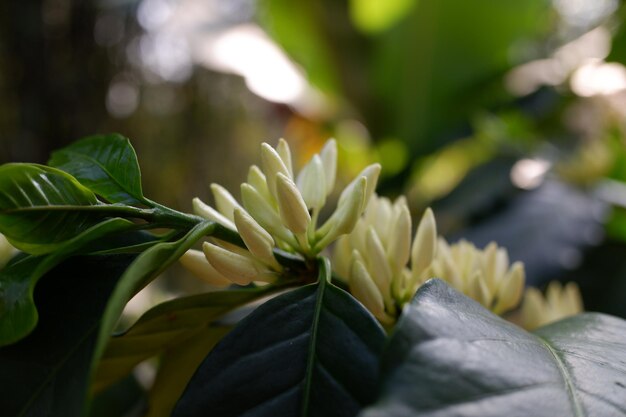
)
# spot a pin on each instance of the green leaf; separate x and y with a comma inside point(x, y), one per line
point(311, 352)
point(450, 356)
point(166, 326)
point(46, 374)
point(106, 164)
point(38, 206)
point(146, 267)
point(18, 314)
point(176, 368)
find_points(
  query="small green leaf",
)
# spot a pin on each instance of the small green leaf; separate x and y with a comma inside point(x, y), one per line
point(39, 206)
point(106, 164)
point(451, 357)
point(167, 325)
point(46, 373)
point(18, 314)
point(311, 352)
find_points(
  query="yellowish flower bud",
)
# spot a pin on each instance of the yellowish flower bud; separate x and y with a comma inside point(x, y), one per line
point(311, 183)
point(224, 201)
point(196, 263)
point(328, 154)
point(257, 240)
point(424, 244)
point(511, 289)
point(265, 214)
point(560, 302)
point(341, 257)
point(378, 264)
point(292, 208)
point(272, 166)
point(285, 154)
point(364, 289)
point(370, 173)
point(256, 179)
point(399, 246)
point(207, 212)
point(240, 269)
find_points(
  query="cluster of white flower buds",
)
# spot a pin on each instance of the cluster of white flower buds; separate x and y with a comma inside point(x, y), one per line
point(374, 258)
point(559, 302)
point(278, 210)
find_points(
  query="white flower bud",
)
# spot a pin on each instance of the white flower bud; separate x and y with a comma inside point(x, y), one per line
point(272, 166)
point(328, 154)
point(292, 207)
point(399, 245)
point(285, 154)
point(240, 269)
point(256, 179)
point(311, 183)
point(510, 290)
point(364, 289)
point(207, 212)
point(377, 263)
point(224, 201)
point(341, 257)
point(257, 240)
point(196, 263)
point(371, 173)
point(424, 244)
point(265, 214)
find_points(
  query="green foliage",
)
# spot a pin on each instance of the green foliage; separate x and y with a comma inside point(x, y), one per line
point(310, 352)
point(106, 164)
point(448, 355)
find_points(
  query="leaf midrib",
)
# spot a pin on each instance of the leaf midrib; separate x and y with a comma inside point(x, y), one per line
point(106, 171)
point(569, 385)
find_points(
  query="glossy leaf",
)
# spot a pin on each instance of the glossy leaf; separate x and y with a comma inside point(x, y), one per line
point(106, 164)
point(451, 357)
point(38, 206)
point(311, 352)
point(167, 325)
point(18, 314)
point(46, 374)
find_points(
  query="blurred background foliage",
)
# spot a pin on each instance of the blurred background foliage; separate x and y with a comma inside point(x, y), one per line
point(507, 117)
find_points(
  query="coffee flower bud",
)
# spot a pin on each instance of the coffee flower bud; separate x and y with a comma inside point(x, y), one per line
point(559, 302)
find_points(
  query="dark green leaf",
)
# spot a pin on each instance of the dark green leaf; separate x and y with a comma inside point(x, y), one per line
point(106, 164)
point(176, 368)
point(450, 357)
point(311, 352)
point(18, 315)
point(167, 325)
point(46, 374)
point(36, 206)
point(120, 400)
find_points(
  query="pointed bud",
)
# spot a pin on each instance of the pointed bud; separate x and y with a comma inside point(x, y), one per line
point(532, 308)
point(371, 173)
point(511, 289)
point(377, 262)
point(272, 166)
point(264, 214)
point(478, 290)
point(311, 184)
point(240, 269)
point(364, 289)
point(573, 299)
point(328, 154)
point(291, 206)
point(285, 154)
point(341, 257)
point(224, 201)
point(345, 216)
point(195, 262)
point(207, 212)
point(257, 180)
point(257, 240)
point(424, 244)
point(399, 245)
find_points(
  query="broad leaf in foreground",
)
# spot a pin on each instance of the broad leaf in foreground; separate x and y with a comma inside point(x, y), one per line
point(311, 352)
point(451, 357)
point(106, 164)
point(41, 206)
point(18, 314)
point(46, 374)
